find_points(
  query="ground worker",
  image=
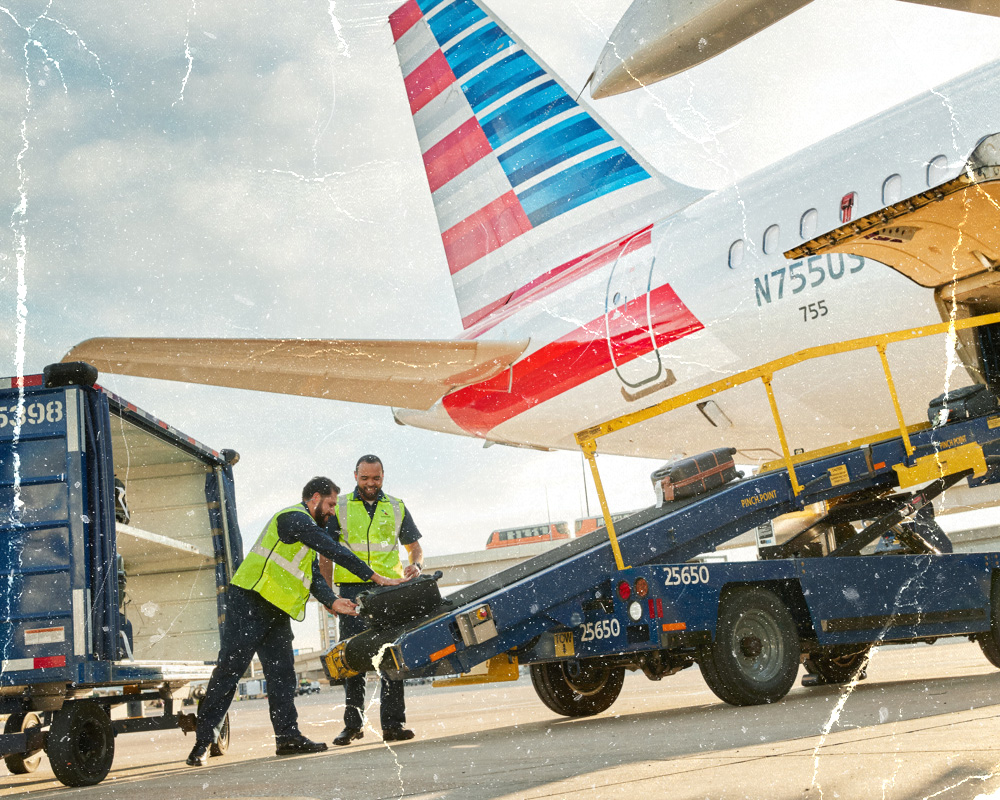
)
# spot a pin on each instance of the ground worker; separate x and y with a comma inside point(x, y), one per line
point(373, 525)
point(269, 590)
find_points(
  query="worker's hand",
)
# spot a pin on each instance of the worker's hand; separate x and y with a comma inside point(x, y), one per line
point(381, 580)
point(344, 606)
point(411, 572)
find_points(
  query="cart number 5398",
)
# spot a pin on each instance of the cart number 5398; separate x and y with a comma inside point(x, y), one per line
point(602, 629)
point(31, 413)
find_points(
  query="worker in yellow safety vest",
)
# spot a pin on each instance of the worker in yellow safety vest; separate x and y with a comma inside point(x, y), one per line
point(270, 589)
point(373, 525)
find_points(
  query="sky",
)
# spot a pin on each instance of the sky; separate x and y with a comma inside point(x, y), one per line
point(225, 169)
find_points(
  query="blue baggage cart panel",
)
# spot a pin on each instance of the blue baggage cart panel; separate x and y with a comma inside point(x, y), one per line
point(118, 536)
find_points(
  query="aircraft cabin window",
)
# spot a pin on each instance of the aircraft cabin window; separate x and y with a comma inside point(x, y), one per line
point(772, 237)
point(808, 224)
point(892, 190)
point(937, 170)
point(736, 251)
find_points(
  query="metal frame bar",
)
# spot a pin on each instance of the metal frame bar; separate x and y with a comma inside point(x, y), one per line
point(587, 438)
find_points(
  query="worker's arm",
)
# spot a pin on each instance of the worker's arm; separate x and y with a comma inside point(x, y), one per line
point(321, 590)
point(293, 527)
point(416, 554)
point(409, 537)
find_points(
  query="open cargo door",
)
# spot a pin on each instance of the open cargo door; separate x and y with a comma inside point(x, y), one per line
point(947, 239)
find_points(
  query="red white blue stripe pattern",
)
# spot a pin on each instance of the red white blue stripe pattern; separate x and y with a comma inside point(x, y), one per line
point(521, 174)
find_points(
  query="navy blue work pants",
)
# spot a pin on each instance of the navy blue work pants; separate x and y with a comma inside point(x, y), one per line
point(392, 711)
point(253, 625)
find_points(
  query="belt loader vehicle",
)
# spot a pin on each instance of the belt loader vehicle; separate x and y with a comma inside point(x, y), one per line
point(118, 537)
point(631, 598)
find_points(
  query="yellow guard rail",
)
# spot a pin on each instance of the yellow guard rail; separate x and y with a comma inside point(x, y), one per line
point(587, 438)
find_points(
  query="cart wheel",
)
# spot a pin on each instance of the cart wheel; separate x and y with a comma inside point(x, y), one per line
point(22, 763)
point(755, 656)
point(221, 745)
point(577, 688)
point(832, 667)
point(81, 743)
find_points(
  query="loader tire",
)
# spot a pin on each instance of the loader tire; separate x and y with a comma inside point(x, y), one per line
point(755, 656)
point(989, 641)
point(579, 688)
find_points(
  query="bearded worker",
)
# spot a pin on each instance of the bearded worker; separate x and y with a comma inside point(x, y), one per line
point(373, 525)
point(270, 589)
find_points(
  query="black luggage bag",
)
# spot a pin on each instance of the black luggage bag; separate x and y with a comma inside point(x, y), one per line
point(964, 403)
point(391, 606)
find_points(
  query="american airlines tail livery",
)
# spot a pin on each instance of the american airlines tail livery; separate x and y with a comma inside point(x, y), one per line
point(590, 286)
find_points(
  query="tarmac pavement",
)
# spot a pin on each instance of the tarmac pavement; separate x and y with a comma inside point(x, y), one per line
point(923, 725)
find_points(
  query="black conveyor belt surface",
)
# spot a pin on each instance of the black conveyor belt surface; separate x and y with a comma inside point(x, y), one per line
point(549, 558)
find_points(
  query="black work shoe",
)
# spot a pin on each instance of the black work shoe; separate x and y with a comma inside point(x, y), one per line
point(347, 736)
point(297, 745)
point(198, 756)
point(397, 735)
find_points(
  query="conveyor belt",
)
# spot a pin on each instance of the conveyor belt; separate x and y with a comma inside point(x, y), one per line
point(549, 558)
point(361, 649)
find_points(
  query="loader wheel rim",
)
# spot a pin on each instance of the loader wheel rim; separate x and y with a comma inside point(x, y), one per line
point(588, 679)
point(760, 650)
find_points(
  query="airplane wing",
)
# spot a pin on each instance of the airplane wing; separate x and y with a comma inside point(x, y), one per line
point(946, 236)
point(404, 374)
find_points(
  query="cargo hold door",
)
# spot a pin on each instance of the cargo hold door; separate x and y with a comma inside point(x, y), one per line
point(947, 239)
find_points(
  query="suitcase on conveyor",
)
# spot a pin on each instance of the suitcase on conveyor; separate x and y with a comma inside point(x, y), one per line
point(693, 476)
point(391, 606)
point(964, 403)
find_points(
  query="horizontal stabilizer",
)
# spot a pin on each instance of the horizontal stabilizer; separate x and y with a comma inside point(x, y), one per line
point(404, 374)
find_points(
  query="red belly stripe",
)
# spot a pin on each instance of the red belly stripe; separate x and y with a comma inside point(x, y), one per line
point(571, 361)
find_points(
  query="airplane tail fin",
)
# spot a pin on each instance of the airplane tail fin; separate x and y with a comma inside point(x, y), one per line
point(523, 177)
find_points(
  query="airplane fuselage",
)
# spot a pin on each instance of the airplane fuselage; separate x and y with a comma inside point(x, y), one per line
point(706, 292)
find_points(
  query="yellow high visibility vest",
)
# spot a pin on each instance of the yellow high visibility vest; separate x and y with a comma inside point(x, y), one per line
point(280, 573)
point(375, 540)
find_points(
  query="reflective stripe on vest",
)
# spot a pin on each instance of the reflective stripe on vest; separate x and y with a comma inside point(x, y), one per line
point(370, 538)
point(280, 573)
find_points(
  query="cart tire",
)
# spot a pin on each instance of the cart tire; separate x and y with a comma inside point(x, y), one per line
point(755, 656)
point(593, 688)
point(833, 667)
point(22, 763)
point(81, 743)
point(989, 641)
point(221, 745)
